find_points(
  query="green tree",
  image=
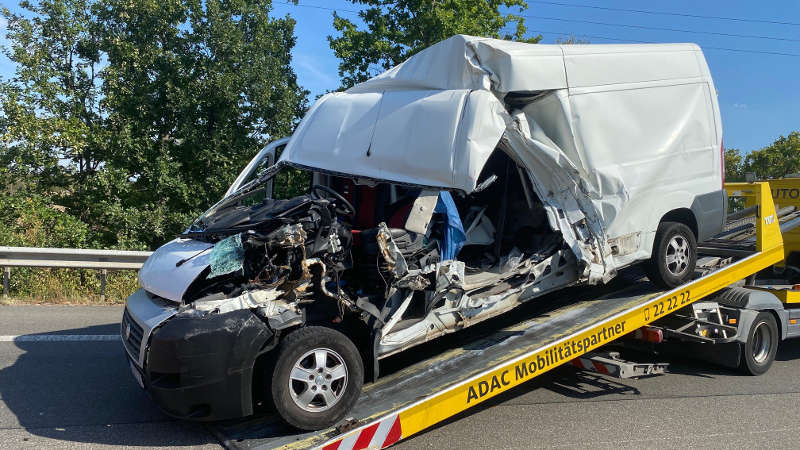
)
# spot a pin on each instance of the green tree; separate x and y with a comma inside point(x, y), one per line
point(51, 126)
point(733, 165)
point(397, 29)
point(193, 88)
point(135, 116)
point(776, 160)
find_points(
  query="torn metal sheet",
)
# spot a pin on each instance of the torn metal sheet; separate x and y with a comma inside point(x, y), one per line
point(421, 211)
point(449, 275)
point(265, 298)
point(613, 136)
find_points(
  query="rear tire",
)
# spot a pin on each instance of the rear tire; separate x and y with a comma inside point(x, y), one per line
point(317, 378)
point(758, 352)
point(674, 255)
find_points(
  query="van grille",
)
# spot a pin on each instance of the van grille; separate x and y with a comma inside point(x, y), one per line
point(131, 334)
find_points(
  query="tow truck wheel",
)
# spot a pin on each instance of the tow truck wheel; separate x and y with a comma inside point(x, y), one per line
point(762, 343)
point(317, 377)
point(674, 255)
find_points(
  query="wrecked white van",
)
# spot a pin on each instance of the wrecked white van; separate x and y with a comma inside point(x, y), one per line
point(477, 175)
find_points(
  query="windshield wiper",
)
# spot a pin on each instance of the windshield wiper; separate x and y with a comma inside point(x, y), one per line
point(180, 263)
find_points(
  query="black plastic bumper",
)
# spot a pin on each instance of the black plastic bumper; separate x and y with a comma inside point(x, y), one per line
point(201, 368)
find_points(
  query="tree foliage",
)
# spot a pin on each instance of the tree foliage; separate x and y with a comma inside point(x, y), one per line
point(396, 29)
point(733, 165)
point(52, 122)
point(776, 160)
point(135, 116)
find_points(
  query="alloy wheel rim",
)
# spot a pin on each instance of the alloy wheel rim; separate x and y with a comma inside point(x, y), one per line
point(677, 255)
point(318, 380)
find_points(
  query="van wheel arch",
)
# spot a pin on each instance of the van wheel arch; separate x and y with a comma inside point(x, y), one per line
point(684, 216)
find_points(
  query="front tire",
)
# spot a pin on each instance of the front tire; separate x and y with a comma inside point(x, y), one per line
point(317, 377)
point(674, 255)
point(758, 352)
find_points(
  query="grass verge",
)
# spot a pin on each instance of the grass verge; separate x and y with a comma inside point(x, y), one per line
point(68, 286)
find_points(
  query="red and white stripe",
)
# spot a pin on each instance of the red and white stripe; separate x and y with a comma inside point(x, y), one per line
point(590, 364)
point(373, 436)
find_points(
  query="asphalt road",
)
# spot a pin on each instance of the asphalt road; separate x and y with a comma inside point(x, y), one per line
point(80, 394)
point(77, 394)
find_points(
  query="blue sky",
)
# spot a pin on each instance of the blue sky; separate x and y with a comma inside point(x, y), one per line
point(759, 93)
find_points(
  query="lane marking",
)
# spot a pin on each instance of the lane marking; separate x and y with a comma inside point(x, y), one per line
point(60, 338)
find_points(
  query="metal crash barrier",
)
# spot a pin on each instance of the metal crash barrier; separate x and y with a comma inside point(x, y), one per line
point(70, 258)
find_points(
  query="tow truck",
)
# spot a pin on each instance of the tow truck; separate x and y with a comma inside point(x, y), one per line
point(726, 311)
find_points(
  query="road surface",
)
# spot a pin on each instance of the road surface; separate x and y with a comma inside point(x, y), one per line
point(73, 389)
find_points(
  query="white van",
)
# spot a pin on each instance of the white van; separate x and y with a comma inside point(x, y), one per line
point(477, 175)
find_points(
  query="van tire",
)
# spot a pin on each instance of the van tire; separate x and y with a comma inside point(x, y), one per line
point(758, 352)
point(674, 255)
point(299, 350)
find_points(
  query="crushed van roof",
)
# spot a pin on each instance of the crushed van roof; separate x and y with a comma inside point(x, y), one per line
point(434, 119)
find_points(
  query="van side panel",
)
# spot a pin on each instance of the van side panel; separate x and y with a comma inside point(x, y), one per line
point(599, 66)
point(658, 138)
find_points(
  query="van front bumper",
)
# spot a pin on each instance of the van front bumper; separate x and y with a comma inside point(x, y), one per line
point(201, 367)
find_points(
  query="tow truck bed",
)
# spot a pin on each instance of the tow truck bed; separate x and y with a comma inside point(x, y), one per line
point(456, 365)
point(417, 397)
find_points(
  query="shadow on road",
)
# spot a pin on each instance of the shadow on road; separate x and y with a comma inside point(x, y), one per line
point(787, 352)
point(84, 392)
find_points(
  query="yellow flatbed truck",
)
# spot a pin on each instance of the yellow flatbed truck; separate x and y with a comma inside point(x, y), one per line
point(579, 321)
point(784, 281)
point(785, 195)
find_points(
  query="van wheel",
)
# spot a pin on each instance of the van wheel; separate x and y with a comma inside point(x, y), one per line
point(674, 255)
point(762, 343)
point(317, 378)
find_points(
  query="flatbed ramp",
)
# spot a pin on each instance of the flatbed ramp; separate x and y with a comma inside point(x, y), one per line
point(408, 401)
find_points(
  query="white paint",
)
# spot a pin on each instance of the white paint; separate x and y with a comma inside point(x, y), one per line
point(148, 314)
point(617, 134)
point(60, 338)
point(615, 137)
point(160, 275)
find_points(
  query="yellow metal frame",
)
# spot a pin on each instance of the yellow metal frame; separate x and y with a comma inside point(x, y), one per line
point(496, 380)
point(785, 192)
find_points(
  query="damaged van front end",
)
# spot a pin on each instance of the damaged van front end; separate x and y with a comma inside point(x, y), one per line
point(193, 367)
point(213, 301)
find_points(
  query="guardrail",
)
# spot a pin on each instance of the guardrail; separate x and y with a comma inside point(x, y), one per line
point(73, 258)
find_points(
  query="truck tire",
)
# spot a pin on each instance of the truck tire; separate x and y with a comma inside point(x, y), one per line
point(316, 378)
point(674, 255)
point(758, 351)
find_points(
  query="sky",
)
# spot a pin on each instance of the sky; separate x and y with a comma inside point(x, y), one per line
point(752, 48)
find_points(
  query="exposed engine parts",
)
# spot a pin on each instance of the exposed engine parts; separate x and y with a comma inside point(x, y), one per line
point(318, 259)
